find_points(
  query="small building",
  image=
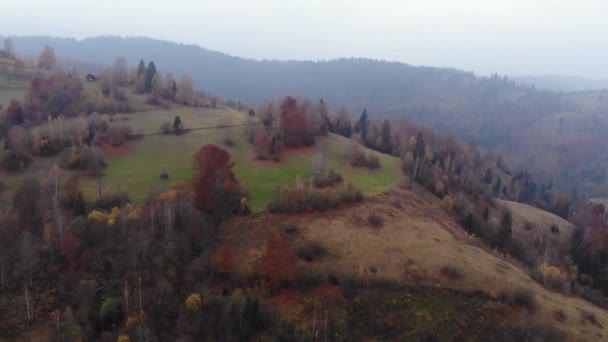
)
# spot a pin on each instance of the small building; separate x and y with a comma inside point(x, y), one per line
point(92, 77)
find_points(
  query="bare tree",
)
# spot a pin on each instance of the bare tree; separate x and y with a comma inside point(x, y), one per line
point(185, 91)
point(52, 187)
point(29, 257)
point(120, 71)
point(47, 58)
point(317, 165)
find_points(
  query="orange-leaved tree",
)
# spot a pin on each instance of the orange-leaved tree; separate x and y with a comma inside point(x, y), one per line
point(278, 262)
point(216, 190)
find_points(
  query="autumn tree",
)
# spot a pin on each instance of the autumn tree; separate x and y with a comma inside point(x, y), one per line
point(18, 141)
point(120, 71)
point(47, 60)
point(14, 112)
point(8, 49)
point(170, 87)
point(185, 91)
point(216, 190)
point(278, 261)
point(224, 257)
point(343, 125)
point(295, 125)
point(53, 191)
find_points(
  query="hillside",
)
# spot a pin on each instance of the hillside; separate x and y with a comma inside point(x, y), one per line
point(416, 244)
point(548, 233)
point(135, 166)
point(495, 111)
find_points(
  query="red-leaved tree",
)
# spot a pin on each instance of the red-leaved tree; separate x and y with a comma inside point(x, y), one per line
point(224, 257)
point(278, 262)
point(217, 193)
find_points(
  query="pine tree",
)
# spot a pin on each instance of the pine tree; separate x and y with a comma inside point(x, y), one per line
point(361, 126)
point(141, 68)
point(150, 72)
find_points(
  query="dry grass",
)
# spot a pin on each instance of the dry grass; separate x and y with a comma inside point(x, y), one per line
point(415, 243)
point(541, 223)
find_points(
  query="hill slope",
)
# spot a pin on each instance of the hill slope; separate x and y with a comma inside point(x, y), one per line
point(416, 243)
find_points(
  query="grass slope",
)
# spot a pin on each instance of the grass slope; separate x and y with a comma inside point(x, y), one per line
point(417, 240)
point(137, 169)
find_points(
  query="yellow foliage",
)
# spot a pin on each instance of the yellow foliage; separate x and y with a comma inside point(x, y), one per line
point(244, 204)
point(448, 202)
point(552, 272)
point(114, 215)
point(98, 216)
point(194, 302)
point(123, 338)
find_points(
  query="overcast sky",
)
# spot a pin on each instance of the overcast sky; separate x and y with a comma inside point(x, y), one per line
point(515, 37)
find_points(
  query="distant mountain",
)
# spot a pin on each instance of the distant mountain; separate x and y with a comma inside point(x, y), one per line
point(563, 82)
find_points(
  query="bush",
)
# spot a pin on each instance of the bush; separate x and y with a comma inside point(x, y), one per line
point(303, 199)
point(360, 159)
point(554, 229)
point(522, 297)
point(306, 279)
point(310, 251)
point(375, 220)
point(165, 128)
point(451, 272)
point(118, 134)
point(112, 200)
point(84, 158)
point(331, 179)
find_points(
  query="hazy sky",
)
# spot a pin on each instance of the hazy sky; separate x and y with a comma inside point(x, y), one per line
point(516, 37)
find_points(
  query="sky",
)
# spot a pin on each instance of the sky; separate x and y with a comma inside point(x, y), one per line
point(513, 37)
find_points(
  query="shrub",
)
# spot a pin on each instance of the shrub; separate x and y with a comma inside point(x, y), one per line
point(451, 272)
point(360, 159)
point(553, 277)
point(448, 202)
point(306, 279)
point(520, 296)
point(311, 250)
point(165, 128)
point(112, 200)
point(194, 302)
point(118, 134)
point(554, 229)
point(84, 158)
point(302, 198)
point(375, 220)
point(331, 179)
point(110, 311)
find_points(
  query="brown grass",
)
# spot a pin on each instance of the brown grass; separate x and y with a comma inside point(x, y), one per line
point(415, 243)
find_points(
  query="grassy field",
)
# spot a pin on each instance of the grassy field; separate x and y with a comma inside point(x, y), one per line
point(136, 169)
